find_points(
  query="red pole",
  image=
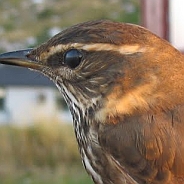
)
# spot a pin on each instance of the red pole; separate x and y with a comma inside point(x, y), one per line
point(157, 23)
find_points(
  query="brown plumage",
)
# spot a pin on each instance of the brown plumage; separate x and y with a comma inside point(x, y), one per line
point(125, 89)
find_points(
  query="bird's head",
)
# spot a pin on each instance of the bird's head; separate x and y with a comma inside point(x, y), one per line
point(107, 68)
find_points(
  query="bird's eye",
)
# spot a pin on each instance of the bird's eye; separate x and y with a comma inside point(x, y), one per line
point(72, 58)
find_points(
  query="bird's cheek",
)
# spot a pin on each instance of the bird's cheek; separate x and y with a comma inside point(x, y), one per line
point(64, 73)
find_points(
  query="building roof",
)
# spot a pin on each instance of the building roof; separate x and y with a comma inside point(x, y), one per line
point(17, 76)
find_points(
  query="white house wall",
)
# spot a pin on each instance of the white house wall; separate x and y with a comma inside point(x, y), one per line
point(23, 105)
point(176, 22)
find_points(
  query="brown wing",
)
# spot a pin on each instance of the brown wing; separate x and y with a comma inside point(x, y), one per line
point(150, 147)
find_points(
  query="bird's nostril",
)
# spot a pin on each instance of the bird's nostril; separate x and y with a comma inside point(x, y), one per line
point(32, 57)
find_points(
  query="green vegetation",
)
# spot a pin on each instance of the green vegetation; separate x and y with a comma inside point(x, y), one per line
point(20, 20)
point(40, 154)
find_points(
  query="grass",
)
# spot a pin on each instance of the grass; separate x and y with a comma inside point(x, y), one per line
point(73, 175)
point(40, 154)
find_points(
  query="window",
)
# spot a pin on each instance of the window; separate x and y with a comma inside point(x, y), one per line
point(61, 104)
point(2, 99)
point(41, 98)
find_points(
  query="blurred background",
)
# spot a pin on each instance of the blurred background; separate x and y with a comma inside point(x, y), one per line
point(37, 142)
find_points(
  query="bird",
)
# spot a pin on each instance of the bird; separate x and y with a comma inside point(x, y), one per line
point(124, 87)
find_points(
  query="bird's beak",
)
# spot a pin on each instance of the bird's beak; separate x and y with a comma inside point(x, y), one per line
point(19, 58)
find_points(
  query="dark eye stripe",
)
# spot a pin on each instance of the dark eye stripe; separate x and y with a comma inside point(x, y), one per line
point(55, 60)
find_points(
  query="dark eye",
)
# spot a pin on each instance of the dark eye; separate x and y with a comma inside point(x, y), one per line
point(72, 58)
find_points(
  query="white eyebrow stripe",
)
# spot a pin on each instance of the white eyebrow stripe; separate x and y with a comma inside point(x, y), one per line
point(122, 49)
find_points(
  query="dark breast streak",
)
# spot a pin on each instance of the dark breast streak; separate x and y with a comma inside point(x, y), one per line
point(99, 164)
